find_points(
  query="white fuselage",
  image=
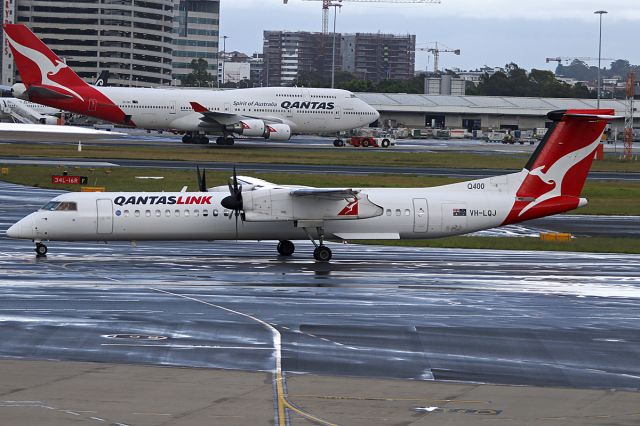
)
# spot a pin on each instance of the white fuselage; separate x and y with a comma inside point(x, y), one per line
point(305, 110)
point(406, 213)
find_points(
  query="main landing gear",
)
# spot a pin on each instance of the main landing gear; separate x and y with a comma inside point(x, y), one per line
point(190, 137)
point(338, 143)
point(41, 250)
point(321, 253)
point(225, 140)
point(286, 248)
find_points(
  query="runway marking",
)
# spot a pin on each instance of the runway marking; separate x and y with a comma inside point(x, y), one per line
point(282, 401)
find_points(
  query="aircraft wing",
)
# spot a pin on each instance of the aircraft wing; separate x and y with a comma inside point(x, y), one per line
point(329, 193)
point(227, 118)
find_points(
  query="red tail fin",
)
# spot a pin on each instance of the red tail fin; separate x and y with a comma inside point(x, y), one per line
point(38, 65)
point(49, 81)
point(559, 167)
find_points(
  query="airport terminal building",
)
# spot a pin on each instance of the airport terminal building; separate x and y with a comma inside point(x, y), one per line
point(484, 113)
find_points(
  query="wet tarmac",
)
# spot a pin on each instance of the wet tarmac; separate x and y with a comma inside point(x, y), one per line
point(525, 318)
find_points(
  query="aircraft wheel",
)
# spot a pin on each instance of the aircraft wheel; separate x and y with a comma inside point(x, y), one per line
point(365, 143)
point(286, 248)
point(385, 143)
point(322, 254)
point(187, 138)
point(338, 143)
point(220, 140)
point(41, 250)
point(229, 141)
point(204, 140)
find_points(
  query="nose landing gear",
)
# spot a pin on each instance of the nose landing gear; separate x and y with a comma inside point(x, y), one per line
point(41, 250)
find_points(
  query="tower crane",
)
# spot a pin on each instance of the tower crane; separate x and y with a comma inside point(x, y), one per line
point(326, 4)
point(567, 59)
point(436, 51)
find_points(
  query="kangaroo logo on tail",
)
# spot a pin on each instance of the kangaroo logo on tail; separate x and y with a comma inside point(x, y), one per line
point(557, 172)
point(46, 66)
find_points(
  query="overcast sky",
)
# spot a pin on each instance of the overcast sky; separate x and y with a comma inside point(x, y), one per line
point(489, 32)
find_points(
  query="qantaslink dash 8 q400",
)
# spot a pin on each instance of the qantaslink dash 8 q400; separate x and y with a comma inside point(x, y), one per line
point(269, 112)
point(550, 183)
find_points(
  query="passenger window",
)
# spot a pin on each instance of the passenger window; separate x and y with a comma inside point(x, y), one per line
point(407, 212)
point(177, 213)
point(388, 212)
point(126, 213)
point(167, 213)
point(147, 213)
point(186, 213)
point(196, 212)
point(215, 212)
point(205, 212)
point(398, 212)
point(158, 213)
point(225, 212)
point(137, 213)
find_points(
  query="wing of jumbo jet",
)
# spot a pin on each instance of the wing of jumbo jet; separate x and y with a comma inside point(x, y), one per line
point(29, 132)
point(228, 118)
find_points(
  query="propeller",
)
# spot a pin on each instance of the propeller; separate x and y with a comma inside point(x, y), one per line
point(202, 180)
point(233, 201)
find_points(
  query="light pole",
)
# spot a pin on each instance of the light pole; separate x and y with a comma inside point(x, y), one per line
point(599, 12)
point(333, 52)
point(224, 53)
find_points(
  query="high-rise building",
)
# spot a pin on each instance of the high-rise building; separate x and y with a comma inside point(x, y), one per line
point(196, 35)
point(132, 39)
point(376, 57)
point(8, 8)
point(290, 55)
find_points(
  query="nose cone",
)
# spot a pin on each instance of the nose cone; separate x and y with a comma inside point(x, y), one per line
point(22, 229)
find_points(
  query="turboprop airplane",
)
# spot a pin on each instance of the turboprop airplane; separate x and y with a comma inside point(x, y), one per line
point(550, 183)
point(269, 112)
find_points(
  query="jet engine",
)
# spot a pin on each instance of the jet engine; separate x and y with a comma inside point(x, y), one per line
point(249, 128)
point(19, 91)
point(278, 132)
point(48, 119)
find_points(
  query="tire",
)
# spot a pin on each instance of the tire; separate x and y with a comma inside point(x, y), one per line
point(229, 141)
point(41, 250)
point(286, 248)
point(385, 143)
point(322, 254)
point(220, 141)
point(336, 143)
point(365, 143)
point(204, 140)
point(187, 139)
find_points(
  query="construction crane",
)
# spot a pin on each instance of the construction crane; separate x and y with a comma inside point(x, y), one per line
point(436, 51)
point(326, 4)
point(567, 59)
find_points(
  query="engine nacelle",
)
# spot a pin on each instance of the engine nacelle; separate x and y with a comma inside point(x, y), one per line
point(278, 132)
point(19, 91)
point(249, 128)
point(48, 119)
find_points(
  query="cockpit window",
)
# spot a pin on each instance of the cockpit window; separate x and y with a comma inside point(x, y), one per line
point(353, 96)
point(50, 206)
point(60, 206)
point(67, 206)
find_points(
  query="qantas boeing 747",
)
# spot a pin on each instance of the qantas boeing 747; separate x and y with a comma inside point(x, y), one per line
point(269, 112)
point(550, 183)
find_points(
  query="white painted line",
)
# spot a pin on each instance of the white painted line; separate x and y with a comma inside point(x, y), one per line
point(184, 346)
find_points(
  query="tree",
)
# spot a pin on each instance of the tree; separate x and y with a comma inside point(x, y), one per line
point(200, 76)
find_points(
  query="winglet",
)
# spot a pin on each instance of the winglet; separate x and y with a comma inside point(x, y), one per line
point(198, 108)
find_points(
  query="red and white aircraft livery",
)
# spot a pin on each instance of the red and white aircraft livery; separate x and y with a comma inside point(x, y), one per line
point(269, 112)
point(550, 183)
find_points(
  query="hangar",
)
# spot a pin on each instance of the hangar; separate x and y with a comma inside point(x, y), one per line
point(476, 112)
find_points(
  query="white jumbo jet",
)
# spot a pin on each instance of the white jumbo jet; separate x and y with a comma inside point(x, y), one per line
point(550, 183)
point(269, 112)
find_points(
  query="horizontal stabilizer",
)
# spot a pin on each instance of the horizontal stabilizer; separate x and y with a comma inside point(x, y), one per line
point(368, 235)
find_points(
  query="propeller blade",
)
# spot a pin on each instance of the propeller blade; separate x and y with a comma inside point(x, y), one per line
point(199, 178)
point(202, 179)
